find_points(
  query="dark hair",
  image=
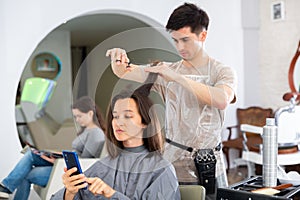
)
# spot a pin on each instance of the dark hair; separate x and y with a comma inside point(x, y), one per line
point(152, 135)
point(188, 15)
point(85, 104)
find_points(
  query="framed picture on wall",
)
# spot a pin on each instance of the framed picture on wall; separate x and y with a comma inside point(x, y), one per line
point(277, 11)
point(46, 65)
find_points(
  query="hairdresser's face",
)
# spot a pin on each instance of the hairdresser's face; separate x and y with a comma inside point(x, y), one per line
point(127, 123)
point(83, 119)
point(188, 44)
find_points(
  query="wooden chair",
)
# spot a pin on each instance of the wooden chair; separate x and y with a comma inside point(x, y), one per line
point(253, 116)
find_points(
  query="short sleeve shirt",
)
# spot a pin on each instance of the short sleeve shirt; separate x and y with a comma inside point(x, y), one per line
point(188, 121)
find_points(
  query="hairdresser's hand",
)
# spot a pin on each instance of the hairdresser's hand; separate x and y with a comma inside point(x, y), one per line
point(164, 71)
point(73, 183)
point(98, 186)
point(119, 61)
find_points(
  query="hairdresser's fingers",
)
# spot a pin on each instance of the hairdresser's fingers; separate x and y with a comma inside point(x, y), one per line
point(164, 71)
point(160, 68)
point(117, 54)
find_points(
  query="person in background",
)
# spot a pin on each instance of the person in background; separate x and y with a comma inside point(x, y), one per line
point(134, 167)
point(196, 90)
point(35, 167)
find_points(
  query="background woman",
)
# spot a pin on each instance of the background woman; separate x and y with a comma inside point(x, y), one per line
point(35, 167)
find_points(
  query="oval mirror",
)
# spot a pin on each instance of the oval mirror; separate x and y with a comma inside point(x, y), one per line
point(294, 72)
point(80, 44)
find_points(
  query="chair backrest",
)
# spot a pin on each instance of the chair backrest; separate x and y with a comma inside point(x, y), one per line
point(253, 115)
point(192, 192)
point(289, 126)
point(35, 95)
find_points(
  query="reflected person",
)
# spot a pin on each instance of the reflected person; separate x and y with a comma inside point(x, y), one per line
point(35, 167)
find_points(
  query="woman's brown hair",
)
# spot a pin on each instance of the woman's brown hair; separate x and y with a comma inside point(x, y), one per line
point(85, 104)
point(152, 135)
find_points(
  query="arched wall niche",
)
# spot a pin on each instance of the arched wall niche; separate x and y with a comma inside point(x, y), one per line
point(35, 26)
point(95, 32)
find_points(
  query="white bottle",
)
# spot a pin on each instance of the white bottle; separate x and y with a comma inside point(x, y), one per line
point(270, 151)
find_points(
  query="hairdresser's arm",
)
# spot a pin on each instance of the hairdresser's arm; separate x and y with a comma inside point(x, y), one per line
point(218, 96)
point(121, 68)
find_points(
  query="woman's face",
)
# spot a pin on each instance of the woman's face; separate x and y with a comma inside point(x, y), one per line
point(127, 123)
point(83, 119)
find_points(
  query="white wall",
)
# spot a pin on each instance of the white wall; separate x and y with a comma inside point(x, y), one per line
point(25, 25)
point(278, 43)
point(250, 22)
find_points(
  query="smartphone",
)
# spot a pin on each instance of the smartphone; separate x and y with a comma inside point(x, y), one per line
point(71, 160)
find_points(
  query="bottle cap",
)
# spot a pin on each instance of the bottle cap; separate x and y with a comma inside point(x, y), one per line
point(270, 122)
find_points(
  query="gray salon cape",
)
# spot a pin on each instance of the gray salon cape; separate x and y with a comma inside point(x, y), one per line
point(89, 143)
point(134, 174)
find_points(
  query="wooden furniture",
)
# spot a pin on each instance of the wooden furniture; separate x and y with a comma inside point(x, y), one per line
point(294, 80)
point(253, 115)
point(286, 119)
point(294, 70)
point(288, 141)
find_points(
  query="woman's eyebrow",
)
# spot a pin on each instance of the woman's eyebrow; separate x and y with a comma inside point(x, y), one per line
point(127, 110)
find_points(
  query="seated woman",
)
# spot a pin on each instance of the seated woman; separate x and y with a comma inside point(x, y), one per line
point(134, 167)
point(35, 167)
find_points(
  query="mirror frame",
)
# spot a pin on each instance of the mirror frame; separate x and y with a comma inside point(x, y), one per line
point(292, 68)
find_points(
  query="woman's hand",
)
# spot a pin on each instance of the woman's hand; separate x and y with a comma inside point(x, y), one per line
point(49, 159)
point(73, 182)
point(97, 186)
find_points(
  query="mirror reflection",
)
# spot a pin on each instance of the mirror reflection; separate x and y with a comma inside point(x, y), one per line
point(46, 122)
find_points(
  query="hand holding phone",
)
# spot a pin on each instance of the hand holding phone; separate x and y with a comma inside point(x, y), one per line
point(71, 160)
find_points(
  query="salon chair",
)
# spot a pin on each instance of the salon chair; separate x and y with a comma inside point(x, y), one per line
point(253, 115)
point(287, 120)
point(35, 126)
point(34, 98)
